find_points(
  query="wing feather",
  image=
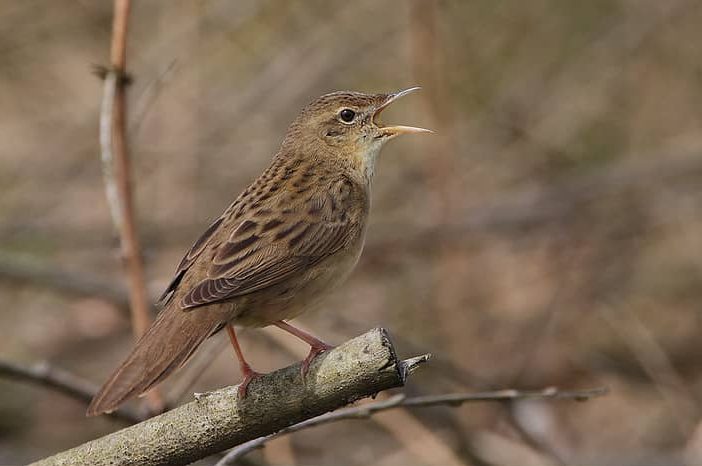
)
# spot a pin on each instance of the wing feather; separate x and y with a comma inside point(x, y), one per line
point(269, 251)
point(190, 257)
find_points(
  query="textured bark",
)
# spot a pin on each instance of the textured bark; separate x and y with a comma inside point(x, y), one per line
point(218, 420)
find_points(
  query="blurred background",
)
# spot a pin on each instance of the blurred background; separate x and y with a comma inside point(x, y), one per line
point(548, 235)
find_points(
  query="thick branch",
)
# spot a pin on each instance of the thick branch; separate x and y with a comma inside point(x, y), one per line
point(218, 420)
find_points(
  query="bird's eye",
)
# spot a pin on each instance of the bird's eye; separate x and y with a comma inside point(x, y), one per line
point(347, 115)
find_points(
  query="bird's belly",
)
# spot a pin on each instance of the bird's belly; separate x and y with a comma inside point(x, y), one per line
point(298, 294)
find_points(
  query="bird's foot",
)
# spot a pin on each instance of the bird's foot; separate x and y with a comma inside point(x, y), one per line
point(315, 350)
point(249, 375)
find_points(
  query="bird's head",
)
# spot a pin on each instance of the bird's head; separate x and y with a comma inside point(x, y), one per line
point(347, 124)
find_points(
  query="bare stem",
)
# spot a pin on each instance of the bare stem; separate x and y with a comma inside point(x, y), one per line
point(400, 401)
point(117, 174)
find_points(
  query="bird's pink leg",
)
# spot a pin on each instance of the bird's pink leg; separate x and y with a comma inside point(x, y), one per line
point(317, 346)
point(249, 374)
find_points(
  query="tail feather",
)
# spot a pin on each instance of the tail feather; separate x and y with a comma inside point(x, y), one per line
point(165, 347)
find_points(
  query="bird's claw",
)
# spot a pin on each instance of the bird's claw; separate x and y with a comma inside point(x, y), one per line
point(242, 389)
point(314, 352)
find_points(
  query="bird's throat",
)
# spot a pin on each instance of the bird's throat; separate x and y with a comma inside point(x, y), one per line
point(367, 161)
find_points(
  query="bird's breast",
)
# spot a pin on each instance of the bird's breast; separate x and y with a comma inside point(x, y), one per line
point(302, 293)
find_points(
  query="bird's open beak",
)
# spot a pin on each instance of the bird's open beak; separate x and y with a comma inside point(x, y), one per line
point(390, 132)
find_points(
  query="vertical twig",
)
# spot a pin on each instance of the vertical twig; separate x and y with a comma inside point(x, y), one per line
point(127, 228)
point(116, 171)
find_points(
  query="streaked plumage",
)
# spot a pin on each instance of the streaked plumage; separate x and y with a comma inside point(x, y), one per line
point(292, 235)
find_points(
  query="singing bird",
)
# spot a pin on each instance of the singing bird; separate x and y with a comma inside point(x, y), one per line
point(289, 238)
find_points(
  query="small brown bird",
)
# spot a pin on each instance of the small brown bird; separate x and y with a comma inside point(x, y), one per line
point(292, 235)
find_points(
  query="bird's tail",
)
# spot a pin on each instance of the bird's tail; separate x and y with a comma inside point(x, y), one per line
point(166, 346)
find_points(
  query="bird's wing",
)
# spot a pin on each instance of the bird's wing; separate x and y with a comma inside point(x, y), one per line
point(270, 245)
point(190, 257)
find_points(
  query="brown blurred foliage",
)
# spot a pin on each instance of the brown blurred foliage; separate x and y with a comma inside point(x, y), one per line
point(549, 234)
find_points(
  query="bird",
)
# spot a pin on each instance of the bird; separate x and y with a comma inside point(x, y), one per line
point(290, 237)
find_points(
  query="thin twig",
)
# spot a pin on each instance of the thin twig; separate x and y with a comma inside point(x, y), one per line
point(397, 401)
point(149, 96)
point(550, 393)
point(116, 171)
point(106, 108)
point(43, 374)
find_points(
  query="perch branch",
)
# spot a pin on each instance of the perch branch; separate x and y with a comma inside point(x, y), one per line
point(219, 420)
point(43, 374)
point(400, 401)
